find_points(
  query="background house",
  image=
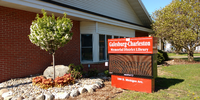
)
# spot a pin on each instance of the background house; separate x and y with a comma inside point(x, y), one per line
point(94, 21)
point(169, 48)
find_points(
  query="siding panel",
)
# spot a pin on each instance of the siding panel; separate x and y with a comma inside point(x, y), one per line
point(115, 30)
point(119, 9)
point(88, 27)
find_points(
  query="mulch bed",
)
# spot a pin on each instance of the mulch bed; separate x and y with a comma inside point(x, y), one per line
point(177, 61)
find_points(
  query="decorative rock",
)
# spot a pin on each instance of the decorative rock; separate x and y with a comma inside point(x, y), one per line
point(17, 98)
point(101, 80)
point(31, 98)
point(89, 88)
point(105, 78)
point(3, 91)
point(1, 85)
point(49, 96)
point(82, 90)
point(1, 98)
point(7, 94)
point(8, 98)
point(62, 95)
point(23, 87)
point(100, 84)
point(94, 86)
point(60, 71)
point(40, 97)
point(74, 93)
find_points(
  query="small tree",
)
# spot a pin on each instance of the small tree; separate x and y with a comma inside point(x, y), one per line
point(179, 23)
point(50, 33)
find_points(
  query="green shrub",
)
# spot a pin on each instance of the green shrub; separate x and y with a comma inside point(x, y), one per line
point(164, 54)
point(161, 56)
point(106, 72)
point(92, 72)
point(76, 71)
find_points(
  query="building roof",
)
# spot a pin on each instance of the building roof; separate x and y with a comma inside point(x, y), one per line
point(77, 13)
point(141, 11)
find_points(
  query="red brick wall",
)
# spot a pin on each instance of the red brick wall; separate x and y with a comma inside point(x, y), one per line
point(100, 67)
point(141, 34)
point(70, 53)
point(18, 56)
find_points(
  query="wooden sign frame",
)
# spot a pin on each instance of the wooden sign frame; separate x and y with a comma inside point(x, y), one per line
point(133, 63)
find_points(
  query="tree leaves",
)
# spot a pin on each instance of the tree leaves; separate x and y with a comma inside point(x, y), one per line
point(179, 24)
point(50, 33)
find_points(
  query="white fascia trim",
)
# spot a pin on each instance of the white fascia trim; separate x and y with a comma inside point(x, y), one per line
point(57, 9)
point(145, 10)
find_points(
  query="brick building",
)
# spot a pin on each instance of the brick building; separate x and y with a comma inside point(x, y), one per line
point(94, 21)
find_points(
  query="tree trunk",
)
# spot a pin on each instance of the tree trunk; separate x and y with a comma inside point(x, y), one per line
point(190, 56)
point(162, 45)
point(54, 72)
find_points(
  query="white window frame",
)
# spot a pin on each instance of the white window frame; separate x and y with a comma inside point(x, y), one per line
point(81, 49)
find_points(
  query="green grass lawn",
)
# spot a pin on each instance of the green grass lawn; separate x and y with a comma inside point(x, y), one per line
point(180, 82)
point(195, 59)
point(182, 54)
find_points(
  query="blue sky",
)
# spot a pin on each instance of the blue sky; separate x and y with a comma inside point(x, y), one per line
point(152, 5)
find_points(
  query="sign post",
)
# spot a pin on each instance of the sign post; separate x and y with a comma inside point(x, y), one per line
point(133, 63)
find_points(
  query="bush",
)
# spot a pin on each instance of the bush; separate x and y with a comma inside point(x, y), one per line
point(92, 72)
point(64, 80)
point(161, 56)
point(76, 71)
point(37, 80)
point(106, 72)
point(164, 54)
point(48, 83)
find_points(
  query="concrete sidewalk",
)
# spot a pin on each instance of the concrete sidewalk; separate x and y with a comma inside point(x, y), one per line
point(182, 57)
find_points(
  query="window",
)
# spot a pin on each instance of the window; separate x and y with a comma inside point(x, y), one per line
point(116, 37)
point(86, 47)
point(108, 37)
point(103, 40)
point(121, 37)
point(101, 47)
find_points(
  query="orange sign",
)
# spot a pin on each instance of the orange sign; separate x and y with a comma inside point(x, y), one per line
point(138, 45)
point(133, 83)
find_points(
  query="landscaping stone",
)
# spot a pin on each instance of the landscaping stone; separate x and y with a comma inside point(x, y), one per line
point(17, 98)
point(3, 91)
point(60, 71)
point(74, 93)
point(31, 98)
point(49, 96)
point(1, 86)
point(30, 92)
point(94, 86)
point(7, 94)
point(106, 78)
point(89, 88)
point(62, 95)
point(100, 84)
point(40, 97)
point(82, 90)
point(8, 98)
